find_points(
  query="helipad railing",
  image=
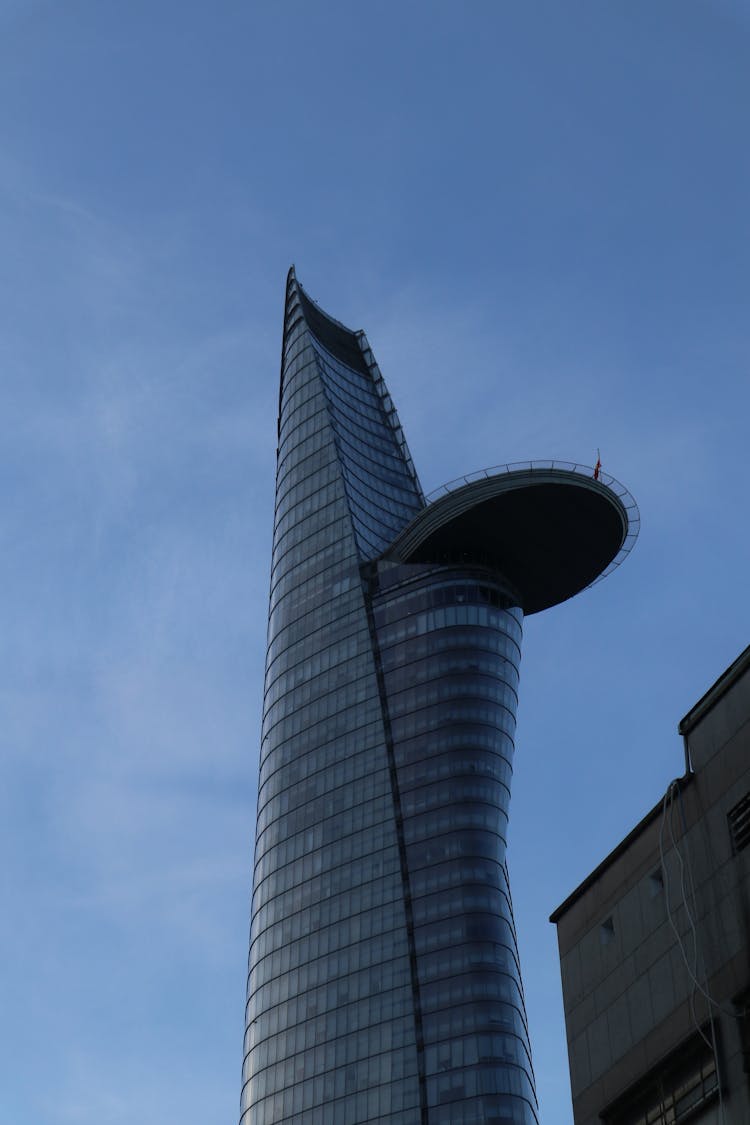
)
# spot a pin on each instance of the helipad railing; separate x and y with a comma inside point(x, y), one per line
point(626, 499)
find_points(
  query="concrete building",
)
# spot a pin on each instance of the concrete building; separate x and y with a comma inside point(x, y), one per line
point(655, 943)
point(384, 982)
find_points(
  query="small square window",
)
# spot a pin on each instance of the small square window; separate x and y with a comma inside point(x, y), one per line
point(656, 883)
point(607, 931)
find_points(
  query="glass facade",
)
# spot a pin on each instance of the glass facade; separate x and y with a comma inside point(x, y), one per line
point(448, 642)
point(383, 982)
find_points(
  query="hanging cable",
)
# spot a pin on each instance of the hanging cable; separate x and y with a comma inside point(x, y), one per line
point(668, 818)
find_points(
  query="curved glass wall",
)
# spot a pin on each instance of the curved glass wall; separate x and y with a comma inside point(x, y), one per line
point(383, 982)
point(449, 645)
point(330, 1033)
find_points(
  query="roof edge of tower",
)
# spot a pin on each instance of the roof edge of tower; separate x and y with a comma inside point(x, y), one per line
point(335, 337)
point(318, 308)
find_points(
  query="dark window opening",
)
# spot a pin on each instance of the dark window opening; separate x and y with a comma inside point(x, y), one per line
point(656, 883)
point(739, 824)
point(673, 1092)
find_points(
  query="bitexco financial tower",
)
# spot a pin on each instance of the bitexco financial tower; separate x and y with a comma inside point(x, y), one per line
point(384, 983)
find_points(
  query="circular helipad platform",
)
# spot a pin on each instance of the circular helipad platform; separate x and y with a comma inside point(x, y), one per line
point(550, 530)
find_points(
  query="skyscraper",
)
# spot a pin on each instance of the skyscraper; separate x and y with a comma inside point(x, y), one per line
point(384, 983)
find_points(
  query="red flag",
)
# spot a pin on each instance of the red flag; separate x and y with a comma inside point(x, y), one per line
point(597, 466)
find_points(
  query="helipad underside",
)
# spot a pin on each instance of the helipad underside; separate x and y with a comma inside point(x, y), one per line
point(550, 532)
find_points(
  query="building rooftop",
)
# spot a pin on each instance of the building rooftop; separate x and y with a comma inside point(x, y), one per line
point(719, 688)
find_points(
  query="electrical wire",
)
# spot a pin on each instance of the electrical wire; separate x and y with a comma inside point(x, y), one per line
point(668, 807)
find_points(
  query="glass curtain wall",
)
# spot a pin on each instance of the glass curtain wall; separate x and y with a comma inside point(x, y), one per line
point(330, 1034)
point(382, 983)
point(449, 645)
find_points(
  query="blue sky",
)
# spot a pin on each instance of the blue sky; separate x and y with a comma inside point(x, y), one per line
point(538, 212)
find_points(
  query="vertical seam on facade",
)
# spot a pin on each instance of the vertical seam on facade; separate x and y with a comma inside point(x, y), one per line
point(368, 572)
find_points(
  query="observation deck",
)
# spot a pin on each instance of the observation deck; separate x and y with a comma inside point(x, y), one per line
point(550, 527)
